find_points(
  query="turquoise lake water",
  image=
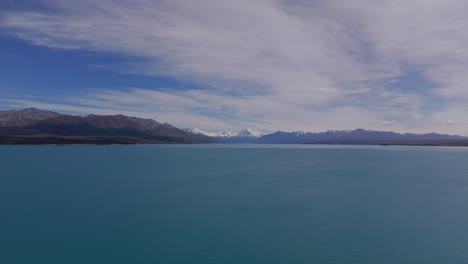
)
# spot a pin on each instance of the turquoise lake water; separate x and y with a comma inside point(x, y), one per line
point(233, 204)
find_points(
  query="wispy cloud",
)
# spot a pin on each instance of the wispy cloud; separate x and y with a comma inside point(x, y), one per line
point(270, 64)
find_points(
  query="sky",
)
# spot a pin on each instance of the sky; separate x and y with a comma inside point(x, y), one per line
point(392, 65)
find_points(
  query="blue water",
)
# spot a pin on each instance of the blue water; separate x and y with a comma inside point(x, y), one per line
point(233, 204)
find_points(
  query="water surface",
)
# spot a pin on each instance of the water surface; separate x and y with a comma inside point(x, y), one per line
point(233, 204)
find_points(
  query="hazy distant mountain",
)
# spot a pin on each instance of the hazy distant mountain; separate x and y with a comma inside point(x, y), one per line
point(358, 136)
point(33, 126)
point(28, 116)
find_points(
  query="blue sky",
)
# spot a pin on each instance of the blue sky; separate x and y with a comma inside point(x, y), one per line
point(226, 65)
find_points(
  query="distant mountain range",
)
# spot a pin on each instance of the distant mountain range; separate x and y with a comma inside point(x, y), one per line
point(34, 126)
point(345, 137)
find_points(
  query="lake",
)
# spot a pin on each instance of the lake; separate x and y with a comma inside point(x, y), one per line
point(233, 204)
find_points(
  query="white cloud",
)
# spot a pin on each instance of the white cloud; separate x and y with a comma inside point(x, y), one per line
point(271, 64)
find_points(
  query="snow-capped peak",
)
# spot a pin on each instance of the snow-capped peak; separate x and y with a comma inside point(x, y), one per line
point(250, 133)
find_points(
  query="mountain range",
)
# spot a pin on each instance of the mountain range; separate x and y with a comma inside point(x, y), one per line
point(34, 126)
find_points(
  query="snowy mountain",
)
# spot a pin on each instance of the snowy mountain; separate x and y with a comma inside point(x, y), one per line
point(246, 133)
